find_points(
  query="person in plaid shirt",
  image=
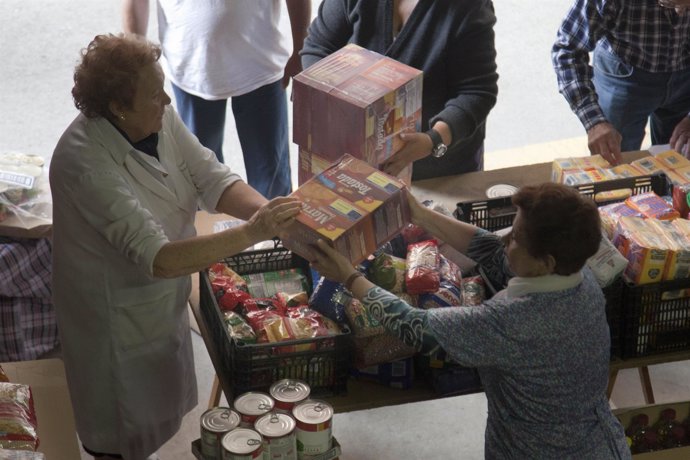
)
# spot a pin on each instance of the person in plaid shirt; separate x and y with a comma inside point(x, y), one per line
point(640, 71)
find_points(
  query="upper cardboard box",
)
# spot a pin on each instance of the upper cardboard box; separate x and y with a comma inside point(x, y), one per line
point(355, 101)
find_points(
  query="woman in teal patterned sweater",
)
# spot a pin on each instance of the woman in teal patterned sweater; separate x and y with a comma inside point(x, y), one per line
point(541, 345)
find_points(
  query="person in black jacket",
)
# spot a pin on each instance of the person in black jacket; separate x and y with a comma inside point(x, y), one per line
point(452, 42)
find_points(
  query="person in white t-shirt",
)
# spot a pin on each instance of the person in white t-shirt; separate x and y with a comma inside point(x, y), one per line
point(218, 50)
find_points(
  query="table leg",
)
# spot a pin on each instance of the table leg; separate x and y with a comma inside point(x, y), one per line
point(612, 381)
point(647, 390)
point(216, 391)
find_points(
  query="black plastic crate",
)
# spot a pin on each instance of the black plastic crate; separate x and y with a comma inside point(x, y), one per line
point(614, 316)
point(498, 213)
point(322, 362)
point(656, 318)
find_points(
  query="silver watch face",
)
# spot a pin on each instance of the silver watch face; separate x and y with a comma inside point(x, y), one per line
point(439, 150)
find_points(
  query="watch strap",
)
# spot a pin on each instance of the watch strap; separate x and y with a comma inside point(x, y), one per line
point(436, 138)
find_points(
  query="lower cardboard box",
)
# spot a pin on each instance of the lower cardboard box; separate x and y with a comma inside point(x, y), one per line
point(653, 411)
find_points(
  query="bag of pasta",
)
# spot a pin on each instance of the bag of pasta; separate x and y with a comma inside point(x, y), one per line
point(17, 417)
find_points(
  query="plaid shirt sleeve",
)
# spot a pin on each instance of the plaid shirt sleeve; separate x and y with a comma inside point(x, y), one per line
point(579, 33)
point(28, 326)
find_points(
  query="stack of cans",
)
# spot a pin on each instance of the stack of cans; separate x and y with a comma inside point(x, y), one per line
point(282, 425)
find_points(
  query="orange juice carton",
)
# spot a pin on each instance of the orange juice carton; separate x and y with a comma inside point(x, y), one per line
point(678, 263)
point(652, 205)
point(647, 251)
point(354, 101)
point(649, 165)
point(611, 213)
point(352, 206)
point(673, 159)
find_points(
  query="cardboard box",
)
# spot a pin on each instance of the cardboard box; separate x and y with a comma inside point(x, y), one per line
point(352, 206)
point(354, 101)
point(682, 411)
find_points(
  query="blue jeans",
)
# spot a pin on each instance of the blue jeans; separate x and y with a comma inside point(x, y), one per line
point(261, 120)
point(630, 96)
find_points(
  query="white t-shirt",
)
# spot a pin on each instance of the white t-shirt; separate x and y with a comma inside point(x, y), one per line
point(216, 49)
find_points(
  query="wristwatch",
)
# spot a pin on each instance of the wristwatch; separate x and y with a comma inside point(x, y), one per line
point(439, 148)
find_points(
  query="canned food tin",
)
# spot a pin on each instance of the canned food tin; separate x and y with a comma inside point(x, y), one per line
point(278, 431)
point(313, 430)
point(252, 405)
point(215, 422)
point(242, 444)
point(288, 392)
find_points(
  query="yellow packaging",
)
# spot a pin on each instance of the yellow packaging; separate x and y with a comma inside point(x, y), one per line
point(675, 178)
point(649, 165)
point(678, 263)
point(684, 173)
point(560, 165)
point(584, 176)
point(624, 171)
point(647, 251)
point(611, 213)
point(673, 159)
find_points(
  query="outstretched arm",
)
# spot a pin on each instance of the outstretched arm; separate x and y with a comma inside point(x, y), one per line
point(402, 320)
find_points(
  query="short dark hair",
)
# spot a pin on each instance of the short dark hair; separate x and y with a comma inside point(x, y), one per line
point(109, 71)
point(557, 220)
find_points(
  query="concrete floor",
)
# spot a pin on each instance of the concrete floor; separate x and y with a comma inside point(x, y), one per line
point(40, 43)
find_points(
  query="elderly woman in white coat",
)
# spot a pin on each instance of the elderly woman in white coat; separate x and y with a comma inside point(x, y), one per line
point(127, 178)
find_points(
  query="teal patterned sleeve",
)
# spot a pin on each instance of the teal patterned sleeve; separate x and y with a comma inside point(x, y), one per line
point(409, 324)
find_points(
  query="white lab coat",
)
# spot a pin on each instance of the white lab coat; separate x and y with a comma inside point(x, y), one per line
point(125, 334)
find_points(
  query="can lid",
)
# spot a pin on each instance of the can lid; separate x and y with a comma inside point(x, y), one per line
point(290, 390)
point(313, 411)
point(220, 419)
point(499, 190)
point(275, 425)
point(253, 403)
point(241, 441)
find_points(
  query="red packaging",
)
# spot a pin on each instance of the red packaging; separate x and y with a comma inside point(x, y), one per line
point(680, 199)
point(423, 267)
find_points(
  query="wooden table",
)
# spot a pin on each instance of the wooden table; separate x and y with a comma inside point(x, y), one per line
point(56, 430)
point(447, 191)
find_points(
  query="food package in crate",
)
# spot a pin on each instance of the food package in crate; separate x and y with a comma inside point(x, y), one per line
point(607, 263)
point(653, 206)
point(284, 315)
point(678, 263)
point(17, 417)
point(611, 213)
point(23, 188)
point(647, 252)
point(395, 374)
